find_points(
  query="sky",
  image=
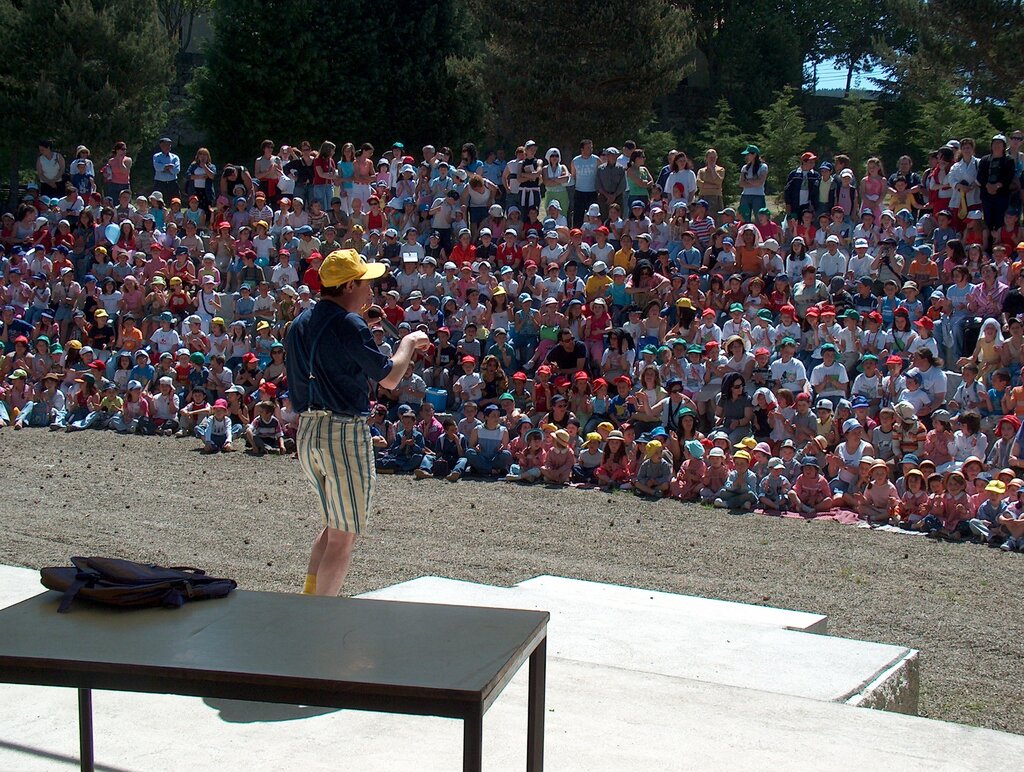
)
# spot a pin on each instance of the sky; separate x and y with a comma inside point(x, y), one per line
point(830, 76)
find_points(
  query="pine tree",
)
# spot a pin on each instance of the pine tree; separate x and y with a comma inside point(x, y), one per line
point(562, 71)
point(858, 133)
point(310, 80)
point(945, 116)
point(82, 72)
point(783, 137)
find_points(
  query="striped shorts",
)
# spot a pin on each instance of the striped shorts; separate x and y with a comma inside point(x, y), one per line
point(336, 454)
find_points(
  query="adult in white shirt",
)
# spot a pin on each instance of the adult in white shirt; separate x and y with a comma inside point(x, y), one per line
point(682, 176)
point(963, 176)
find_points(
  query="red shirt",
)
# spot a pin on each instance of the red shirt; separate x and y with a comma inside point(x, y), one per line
point(510, 256)
point(463, 255)
point(311, 278)
point(394, 315)
point(323, 164)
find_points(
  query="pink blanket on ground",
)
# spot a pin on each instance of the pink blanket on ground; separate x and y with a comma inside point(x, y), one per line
point(844, 516)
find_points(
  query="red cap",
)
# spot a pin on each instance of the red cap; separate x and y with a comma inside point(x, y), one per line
point(812, 311)
point(544, 370)
point(603, 229)
point(519, 376)
point(21, 339)
point(581, 376)
point(269, 388)
point(220, 404)
point(98, 366)
point(875, 316)
point(925, 322)
point(708, 312)
point(789, 308)
point(561, 382)
point(599, 382)
point(762, 351)
point(894, 359)
point(803, 396)
point(575, 232)
point(529, 264)
point(469, 360)
point(445, 330)
point(624, 379)
point(901, 311)
point(808, 156)
point(249, 357)
point(223, 224)
point(711, 344)
point(827, 309)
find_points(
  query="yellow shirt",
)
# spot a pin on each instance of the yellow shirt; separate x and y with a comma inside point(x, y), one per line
point(624, 259)
point(597, 285)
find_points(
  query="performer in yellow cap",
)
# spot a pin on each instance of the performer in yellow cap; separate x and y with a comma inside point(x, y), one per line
point(332, 364)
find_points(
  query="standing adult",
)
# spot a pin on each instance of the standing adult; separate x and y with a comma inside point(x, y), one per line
point(963, 176)
point(117, 172)
point(199, 179)
point(584, 172)
point(510, 178)
point(753, 174)
point(611, 180)
point(995, 176)
point(905, 170)
point(332, 360)
point(166, 168)
point(529, 178)
point(710, 179)
point(50, 168)
point(801, 191)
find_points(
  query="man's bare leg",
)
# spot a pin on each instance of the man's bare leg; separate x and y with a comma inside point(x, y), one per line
point(330, 560)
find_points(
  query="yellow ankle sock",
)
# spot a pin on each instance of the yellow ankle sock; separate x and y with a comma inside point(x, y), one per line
point(309, 588)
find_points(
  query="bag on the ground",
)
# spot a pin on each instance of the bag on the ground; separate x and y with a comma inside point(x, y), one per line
point(115, 582)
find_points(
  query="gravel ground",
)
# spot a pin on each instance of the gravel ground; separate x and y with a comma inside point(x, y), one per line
point(158, 499)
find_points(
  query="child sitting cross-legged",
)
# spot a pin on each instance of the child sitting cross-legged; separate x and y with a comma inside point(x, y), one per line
point(775, 492)
point(689, 479)
point(740, 489)
point(811, 487)
point(654, 477)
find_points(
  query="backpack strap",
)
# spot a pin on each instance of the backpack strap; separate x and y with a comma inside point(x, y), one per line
point(85, 577)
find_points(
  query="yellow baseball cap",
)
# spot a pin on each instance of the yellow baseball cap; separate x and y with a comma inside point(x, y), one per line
point(345, 265)
point(996, 486)
point(747, 443)
point(742, 455)
point(652, 447)
point(100, 312)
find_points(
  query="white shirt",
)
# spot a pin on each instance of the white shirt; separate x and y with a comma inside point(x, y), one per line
point(964, 172)
point(788, 375)
point(823, 371)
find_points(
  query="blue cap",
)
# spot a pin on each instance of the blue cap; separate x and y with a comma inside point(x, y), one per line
point(827, 165)
point(860, 401)
point(910, 458)
point(181, 250)
point(728, 240)
point(304, 230)
point(924, 249)
point(88, 278)
point(659, 431)
point(524, 297)
point(810, 461)
point(704, 203)
point(637, 203)
point(63, 250)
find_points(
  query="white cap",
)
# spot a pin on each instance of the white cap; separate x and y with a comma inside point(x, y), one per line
point(859, 243)
point(832, 239)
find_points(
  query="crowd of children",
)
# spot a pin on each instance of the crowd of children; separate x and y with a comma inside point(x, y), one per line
point(861, 353)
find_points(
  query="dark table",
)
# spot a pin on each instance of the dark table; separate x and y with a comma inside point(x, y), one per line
point(389, 656)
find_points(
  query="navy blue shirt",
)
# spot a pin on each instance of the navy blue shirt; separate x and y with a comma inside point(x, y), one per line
point(347, 360)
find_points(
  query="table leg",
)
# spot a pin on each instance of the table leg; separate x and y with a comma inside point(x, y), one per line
point(473, 741)
point(535, 727)
point(85, 747)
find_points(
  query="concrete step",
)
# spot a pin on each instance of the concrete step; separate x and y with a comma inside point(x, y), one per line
point(674, 639)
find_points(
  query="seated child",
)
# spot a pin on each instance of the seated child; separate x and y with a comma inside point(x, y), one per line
point(654, 477)
point(689, 479)
point(740, 489)
point(775, 492)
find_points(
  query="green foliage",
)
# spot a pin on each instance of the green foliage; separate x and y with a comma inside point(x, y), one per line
point(558, 72)
point(783, 136)
point(974, 46)
point(722, 133)
point(945, 116)
point(313, 80)
point(656, 145)
point(78, 71)
point(858, 132)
